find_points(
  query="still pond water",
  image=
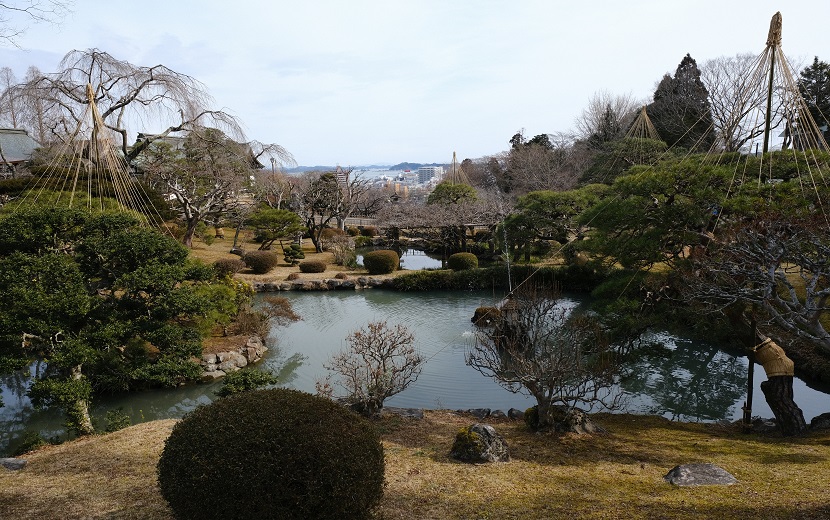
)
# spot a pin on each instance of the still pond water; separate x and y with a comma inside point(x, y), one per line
point(690, 381)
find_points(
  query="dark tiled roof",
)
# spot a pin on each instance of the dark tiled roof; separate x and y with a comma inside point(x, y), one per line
point(16, 145)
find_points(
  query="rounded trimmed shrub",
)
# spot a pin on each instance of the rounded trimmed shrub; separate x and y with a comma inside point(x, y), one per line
point(312, 266)
point(272, 454)
point(260, 262)
point(328, 233)
point(369, 231)
point(228, 266)
point(382, 261)
point(292, 276)
point(341, 276)
point(462, 261)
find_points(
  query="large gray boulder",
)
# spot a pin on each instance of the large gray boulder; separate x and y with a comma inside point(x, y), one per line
point(820, 422)
point(480, 443)
point(576, 421)
point(699, 475)
point(13, 464)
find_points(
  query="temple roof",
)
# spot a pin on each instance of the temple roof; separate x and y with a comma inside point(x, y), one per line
point(16, 145)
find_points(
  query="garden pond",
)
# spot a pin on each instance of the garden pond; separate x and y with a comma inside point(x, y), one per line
point(689, 380)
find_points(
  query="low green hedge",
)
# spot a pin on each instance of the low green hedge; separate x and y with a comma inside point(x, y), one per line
point(568, 278)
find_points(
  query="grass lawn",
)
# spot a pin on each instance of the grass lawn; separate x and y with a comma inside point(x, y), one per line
point(613, 475)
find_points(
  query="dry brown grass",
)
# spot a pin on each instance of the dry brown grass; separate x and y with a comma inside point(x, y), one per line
point(613, 475)
point(102, 476)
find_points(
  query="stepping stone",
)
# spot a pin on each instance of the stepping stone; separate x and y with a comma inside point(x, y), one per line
point(699, 475)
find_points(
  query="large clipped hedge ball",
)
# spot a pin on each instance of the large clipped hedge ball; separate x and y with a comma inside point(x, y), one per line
point(462, 261)
point(381, 261)
point(272, 454)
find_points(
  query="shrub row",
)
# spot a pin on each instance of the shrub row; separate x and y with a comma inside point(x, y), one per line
point(568, 278)
point(366, 231)
point(328, 233)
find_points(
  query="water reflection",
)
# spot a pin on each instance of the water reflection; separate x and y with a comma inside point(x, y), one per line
point(19, 416)
point(411, 259)
point(685, 380)
point(414, 260)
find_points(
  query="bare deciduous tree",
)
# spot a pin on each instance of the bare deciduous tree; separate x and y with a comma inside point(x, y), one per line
point(607, 116)
point(126, 95)
point(734, 100)
point(272, 187)
point(203, 179)
point(343, 249)
point(544, 162)
point(9, 100)
point(537, 346)
point(14, 16)
point(20, 106)
point(330, 197)
point(381, 361)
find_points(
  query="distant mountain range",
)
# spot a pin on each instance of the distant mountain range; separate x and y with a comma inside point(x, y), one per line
point(400, 166)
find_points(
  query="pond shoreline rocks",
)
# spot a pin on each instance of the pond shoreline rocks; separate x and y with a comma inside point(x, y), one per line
point(326, 284)
point(218, 365)
point(480, 443)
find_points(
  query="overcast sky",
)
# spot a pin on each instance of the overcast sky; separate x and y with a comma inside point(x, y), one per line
point(358, 82)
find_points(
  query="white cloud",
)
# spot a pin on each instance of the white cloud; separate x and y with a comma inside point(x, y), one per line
point(387, 81)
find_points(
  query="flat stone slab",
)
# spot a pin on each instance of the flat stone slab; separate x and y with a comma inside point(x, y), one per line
point(13, 464)
point(699, 475)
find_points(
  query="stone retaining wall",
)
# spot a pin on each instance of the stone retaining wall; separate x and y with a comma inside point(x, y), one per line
point(326, 284)
point(218, 365)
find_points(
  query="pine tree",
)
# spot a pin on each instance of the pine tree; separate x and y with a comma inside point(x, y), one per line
point(680, 111)
point(814, 85)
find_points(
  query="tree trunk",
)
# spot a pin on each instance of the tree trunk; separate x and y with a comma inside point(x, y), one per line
point(79, 414)
point(317, 240)
point(544, 411)
point(235, 247)
point(187, 239)
point(778, 391)
point(78, 410)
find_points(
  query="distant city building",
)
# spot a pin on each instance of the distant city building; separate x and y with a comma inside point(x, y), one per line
point(428, 173)
point(342, 176)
